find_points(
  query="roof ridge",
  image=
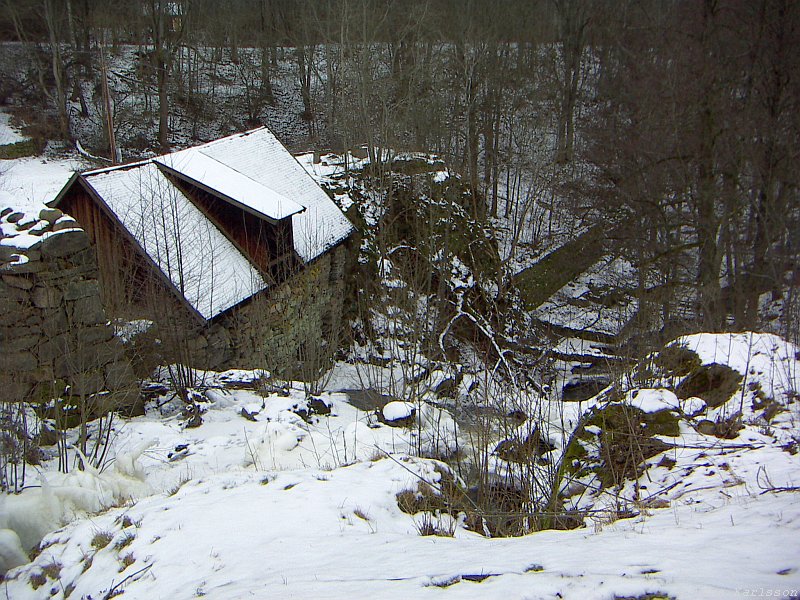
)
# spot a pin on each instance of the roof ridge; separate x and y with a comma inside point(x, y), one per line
point(223, 139)
point(199, 147)
point(122, 167)
point(245, 175)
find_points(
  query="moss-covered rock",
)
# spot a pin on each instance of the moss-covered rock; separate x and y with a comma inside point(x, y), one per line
point(615, 440)
point(713, 383)
point(676, 361)
point(524, 450)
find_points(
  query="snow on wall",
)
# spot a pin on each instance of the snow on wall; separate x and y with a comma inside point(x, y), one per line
point(260, 156)
point(202, 264)
point(51, 316)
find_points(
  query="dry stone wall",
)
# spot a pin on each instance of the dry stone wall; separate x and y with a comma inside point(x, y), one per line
point(293, 326)
point(54, 335)
point(287, 330)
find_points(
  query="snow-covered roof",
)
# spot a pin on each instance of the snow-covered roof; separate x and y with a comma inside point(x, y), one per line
point(252, 171)
point(576, 307)
point(257, 154)
point(196, 257)
point(206, 172)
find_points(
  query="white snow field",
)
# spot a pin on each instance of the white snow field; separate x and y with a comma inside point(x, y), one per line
point(8, 135)
point(27, 183)
point(281, 507)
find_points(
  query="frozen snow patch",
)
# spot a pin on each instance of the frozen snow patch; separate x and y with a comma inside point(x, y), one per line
point(397, 411)
point(652, 400)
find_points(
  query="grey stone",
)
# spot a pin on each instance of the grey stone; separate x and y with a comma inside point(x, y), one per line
point(55, 322)
point(33, 253)
point(46, 297)
point(18, 343)
point(32, 266)
point(42, 374)
point(22, 330)
point(109, 351)
point(53, 347)
point(64, 244)
point(39, 228)
point(8, 252)
point(88, 311)
point(77, 360)
point(65, 224)
point(17, 281)
point(25, 225)
point(219, 339)
point(51, 215)
point(11, 314)
point(197, 343)
point(81, 289)
point(94, 335)
point(85, 383)
point(57, 276)
point(85, 258)
point(119, 375)
point(14, 217)
point(13, 294)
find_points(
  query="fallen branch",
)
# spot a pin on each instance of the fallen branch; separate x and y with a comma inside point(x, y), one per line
point(115, 588)
point(781, 489)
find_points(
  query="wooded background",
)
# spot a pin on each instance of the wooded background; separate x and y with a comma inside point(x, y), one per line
point(670, 125)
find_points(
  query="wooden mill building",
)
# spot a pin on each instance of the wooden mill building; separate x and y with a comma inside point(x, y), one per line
point(227, 243)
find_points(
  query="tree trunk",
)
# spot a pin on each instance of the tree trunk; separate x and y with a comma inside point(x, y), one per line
point(163, 105)
point(572, 25)
point(57, 67)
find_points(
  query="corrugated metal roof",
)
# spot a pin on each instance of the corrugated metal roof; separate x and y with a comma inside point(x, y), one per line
point(202, 264)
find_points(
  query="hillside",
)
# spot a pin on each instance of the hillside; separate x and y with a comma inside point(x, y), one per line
point(376, 299)
point(276, 504)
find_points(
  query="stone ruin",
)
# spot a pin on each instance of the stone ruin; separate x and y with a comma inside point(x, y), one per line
point(55, 339)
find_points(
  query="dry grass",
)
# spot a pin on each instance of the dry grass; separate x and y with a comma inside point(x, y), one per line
point(102, 539)
point(125, 540)
point(38, 580)
point(126, 561)
point(53, 570)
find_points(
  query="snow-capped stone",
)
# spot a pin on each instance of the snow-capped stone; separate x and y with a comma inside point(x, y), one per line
point(398, 411)
point(652, 400)
point(693, 406)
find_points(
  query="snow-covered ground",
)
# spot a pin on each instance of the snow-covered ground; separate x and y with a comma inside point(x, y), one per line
point(273, 497)
point(261, 502)
point(27, 183)
point(583, 304)
point(8, 135)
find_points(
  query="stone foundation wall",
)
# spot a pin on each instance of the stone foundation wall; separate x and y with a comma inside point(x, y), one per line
point(292, 327)
point(288, 330)
point(54, 335)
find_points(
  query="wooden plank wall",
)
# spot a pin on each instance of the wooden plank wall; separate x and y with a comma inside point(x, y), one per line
point(269, 246)
point(129, 287)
